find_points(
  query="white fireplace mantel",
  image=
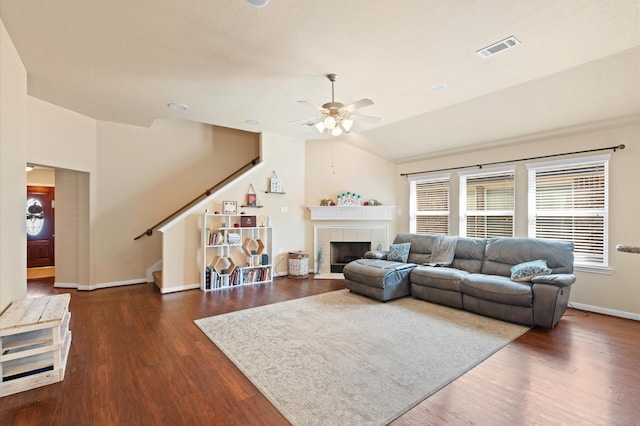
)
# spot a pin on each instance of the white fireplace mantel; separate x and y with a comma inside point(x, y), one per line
point(351, 212)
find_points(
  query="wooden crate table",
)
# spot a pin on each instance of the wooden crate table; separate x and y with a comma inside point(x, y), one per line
point(34, 343)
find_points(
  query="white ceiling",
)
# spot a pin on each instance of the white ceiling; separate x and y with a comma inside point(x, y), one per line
point(124, 60)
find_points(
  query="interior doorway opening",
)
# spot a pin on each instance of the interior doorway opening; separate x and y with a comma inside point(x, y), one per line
point(40, 222)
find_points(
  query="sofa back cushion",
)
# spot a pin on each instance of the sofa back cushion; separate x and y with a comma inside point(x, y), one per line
point(469, 254)
point(421, 246)
point(503, 253)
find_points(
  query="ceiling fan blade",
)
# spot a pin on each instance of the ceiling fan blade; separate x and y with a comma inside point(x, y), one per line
point(359, 104)
point(365, 118)
point(310, 105)
point(309, 121)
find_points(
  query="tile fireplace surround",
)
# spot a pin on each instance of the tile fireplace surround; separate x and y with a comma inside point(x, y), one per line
point(324, 235)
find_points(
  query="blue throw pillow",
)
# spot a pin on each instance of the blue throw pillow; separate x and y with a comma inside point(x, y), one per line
point(399, 252)
point(526, 271)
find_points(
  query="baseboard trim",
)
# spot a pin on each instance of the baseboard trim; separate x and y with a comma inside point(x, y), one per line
point(606, 311)
point(166, 290)
point(66, 285)
point(101, 285)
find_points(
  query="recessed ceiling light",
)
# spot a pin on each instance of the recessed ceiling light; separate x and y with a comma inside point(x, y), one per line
point(258, 3)
point(177, 107)
point(252, 122)
point(438, 87)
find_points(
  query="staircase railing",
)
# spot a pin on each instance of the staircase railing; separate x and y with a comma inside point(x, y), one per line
point(205, 194)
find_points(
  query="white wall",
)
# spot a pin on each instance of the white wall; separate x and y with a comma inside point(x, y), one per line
point(67, 141)
point(144, 175)
point(335, 167)
point(617, 293)
point(13, 181)
point(285, 156)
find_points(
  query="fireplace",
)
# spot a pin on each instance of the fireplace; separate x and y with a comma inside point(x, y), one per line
point(343, 252)
point(356, 239)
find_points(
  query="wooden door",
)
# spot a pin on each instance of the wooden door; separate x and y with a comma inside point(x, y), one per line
point(40, 226)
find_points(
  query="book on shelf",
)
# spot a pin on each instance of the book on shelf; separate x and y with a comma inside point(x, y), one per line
point(234, 238)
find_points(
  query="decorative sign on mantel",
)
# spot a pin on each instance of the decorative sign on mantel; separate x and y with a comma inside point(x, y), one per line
point(351, 212)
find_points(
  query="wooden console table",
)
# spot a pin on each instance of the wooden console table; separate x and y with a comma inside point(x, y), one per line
point(34, 343)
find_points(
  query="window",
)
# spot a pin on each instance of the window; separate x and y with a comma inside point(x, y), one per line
point(568, 200)
point(429, 204)
point(487, 203)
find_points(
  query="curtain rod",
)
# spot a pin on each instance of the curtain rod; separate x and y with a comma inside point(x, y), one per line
point(480, 166)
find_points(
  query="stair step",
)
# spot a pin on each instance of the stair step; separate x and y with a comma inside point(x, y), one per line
point(157, 278)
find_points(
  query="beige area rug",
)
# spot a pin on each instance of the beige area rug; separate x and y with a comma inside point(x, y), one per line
point(343, 359)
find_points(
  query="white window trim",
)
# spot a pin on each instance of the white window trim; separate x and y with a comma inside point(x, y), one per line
point(413, 179)
point(604, 158)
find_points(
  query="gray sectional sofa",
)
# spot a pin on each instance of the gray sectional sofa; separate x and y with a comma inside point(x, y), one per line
point(477, 276)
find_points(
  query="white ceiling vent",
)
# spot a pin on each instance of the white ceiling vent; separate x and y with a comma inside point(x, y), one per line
point(498, 47)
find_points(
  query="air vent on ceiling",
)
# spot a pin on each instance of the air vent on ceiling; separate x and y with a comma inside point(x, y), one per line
point(498, 47)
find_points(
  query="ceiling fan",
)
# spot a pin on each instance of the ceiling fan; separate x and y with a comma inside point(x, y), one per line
point(335, 117)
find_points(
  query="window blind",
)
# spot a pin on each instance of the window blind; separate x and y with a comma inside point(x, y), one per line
point(431, 206)
point(487, 204)
point(570, 203)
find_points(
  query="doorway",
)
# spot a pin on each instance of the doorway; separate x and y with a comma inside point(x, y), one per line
point(40, 227)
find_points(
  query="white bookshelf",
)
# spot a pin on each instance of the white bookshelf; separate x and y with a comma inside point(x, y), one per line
point(227, 247)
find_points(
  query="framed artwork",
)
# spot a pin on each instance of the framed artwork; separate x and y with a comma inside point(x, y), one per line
point(276, 183)
point(252, 199)
point(229, 207)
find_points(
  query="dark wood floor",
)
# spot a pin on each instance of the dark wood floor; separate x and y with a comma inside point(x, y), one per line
point(137, 358)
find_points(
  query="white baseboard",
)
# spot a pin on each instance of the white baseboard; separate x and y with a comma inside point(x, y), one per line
point(165, 290)
point(606, 311)
point(66, 285)
point(101, 285)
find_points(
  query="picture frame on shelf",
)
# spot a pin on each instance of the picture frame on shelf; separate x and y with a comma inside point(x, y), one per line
point(275, 184)
point(229, 207)
point(252, 198)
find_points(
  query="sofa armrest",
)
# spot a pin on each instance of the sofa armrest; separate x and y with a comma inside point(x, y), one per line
point(560, 280)
point(376, 254)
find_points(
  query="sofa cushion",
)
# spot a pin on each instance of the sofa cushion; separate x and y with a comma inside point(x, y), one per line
point(399, 252)
point(497, 289)
point(434, 276)
point(527, 270)
point(377, 273)
point(503, 253)
point(421, 246)
point(469, 254)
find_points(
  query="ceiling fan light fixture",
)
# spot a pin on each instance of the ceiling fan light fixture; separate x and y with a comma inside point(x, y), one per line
point(336, 118)
point(346, 124)
point(329, 122)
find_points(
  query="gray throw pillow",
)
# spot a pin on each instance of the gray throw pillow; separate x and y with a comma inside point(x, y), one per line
point(526, 271)
point(399, 252)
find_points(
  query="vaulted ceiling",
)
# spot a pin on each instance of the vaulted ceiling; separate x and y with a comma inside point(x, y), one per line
point(124, 61)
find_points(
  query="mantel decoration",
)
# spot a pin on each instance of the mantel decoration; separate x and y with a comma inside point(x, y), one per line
point(349, 199)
